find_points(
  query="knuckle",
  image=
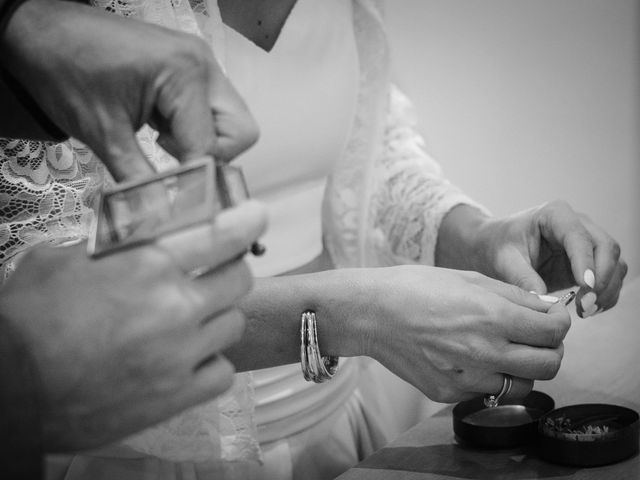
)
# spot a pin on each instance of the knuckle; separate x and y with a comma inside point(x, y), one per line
point(478, 351)
point(614, 248)
point(581, 235)
point(559, 204)
point(176, 304)
point(550, 367)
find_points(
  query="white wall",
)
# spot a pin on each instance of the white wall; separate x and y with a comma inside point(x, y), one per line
point(524, 101)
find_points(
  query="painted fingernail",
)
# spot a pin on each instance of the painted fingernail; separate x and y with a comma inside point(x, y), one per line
point(589, 278)
point(548, 298)
point(588, 303)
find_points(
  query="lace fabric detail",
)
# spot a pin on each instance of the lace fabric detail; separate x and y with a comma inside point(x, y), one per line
point(345, 207)
point(410, 195)
point(47, 190)
point(46, 193)
point(224, 428)
point(386, 199)
point(214, 431)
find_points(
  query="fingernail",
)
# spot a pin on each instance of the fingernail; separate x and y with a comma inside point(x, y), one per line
point(588, 303)
point(589, 278)
point(548, 298)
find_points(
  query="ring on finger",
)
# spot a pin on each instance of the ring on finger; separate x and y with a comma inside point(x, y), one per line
point(492, 401)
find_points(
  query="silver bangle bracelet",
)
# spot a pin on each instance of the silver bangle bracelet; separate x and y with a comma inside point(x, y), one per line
point(315, 367)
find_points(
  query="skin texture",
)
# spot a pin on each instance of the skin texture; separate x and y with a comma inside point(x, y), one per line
point(100, 77)
point(450, 332)
point(545, 248)
point(128, 340)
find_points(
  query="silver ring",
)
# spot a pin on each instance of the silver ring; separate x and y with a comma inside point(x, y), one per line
point(492, 401)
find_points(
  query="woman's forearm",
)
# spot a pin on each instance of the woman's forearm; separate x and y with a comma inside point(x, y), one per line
point(274, 307)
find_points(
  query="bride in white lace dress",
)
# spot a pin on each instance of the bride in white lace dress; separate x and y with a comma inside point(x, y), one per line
point(349, 188)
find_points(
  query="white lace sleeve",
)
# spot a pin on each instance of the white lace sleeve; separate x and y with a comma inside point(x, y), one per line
point(410, 195)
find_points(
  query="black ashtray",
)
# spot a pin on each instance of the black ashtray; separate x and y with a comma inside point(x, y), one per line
point(588, 435)
point(511, 424)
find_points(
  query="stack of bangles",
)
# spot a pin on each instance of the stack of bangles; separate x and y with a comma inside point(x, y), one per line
point(315, 367)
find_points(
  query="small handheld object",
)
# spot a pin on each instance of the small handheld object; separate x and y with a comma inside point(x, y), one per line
point(139, 211)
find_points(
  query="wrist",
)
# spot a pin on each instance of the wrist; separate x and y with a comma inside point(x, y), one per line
point(344, 301)
point(463, 241)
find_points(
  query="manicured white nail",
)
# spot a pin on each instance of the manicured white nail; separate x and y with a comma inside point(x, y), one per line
point(588, 303)
point(589, 278)
point(548, 298)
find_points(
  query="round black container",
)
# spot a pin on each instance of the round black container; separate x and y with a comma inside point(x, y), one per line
point(509, 425)
point(619, 443)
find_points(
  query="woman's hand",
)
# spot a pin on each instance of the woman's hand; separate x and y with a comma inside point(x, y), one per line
point(546, 248)
point(453, 334)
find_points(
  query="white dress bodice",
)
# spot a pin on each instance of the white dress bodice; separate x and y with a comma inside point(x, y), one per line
point(303, 94)
point(382, 205)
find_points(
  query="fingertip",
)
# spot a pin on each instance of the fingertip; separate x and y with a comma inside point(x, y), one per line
point(250, 215)
point(214, 375)
point(588, 304)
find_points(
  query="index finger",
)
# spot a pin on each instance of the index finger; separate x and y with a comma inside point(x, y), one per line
point(185, 125)
point(562, 226)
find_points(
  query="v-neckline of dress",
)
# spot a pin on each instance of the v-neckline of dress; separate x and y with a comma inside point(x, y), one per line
point(282, 34)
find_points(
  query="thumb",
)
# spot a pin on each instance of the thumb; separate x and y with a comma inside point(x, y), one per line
point(185, 122)
point(517, 270)
point(236, 129)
